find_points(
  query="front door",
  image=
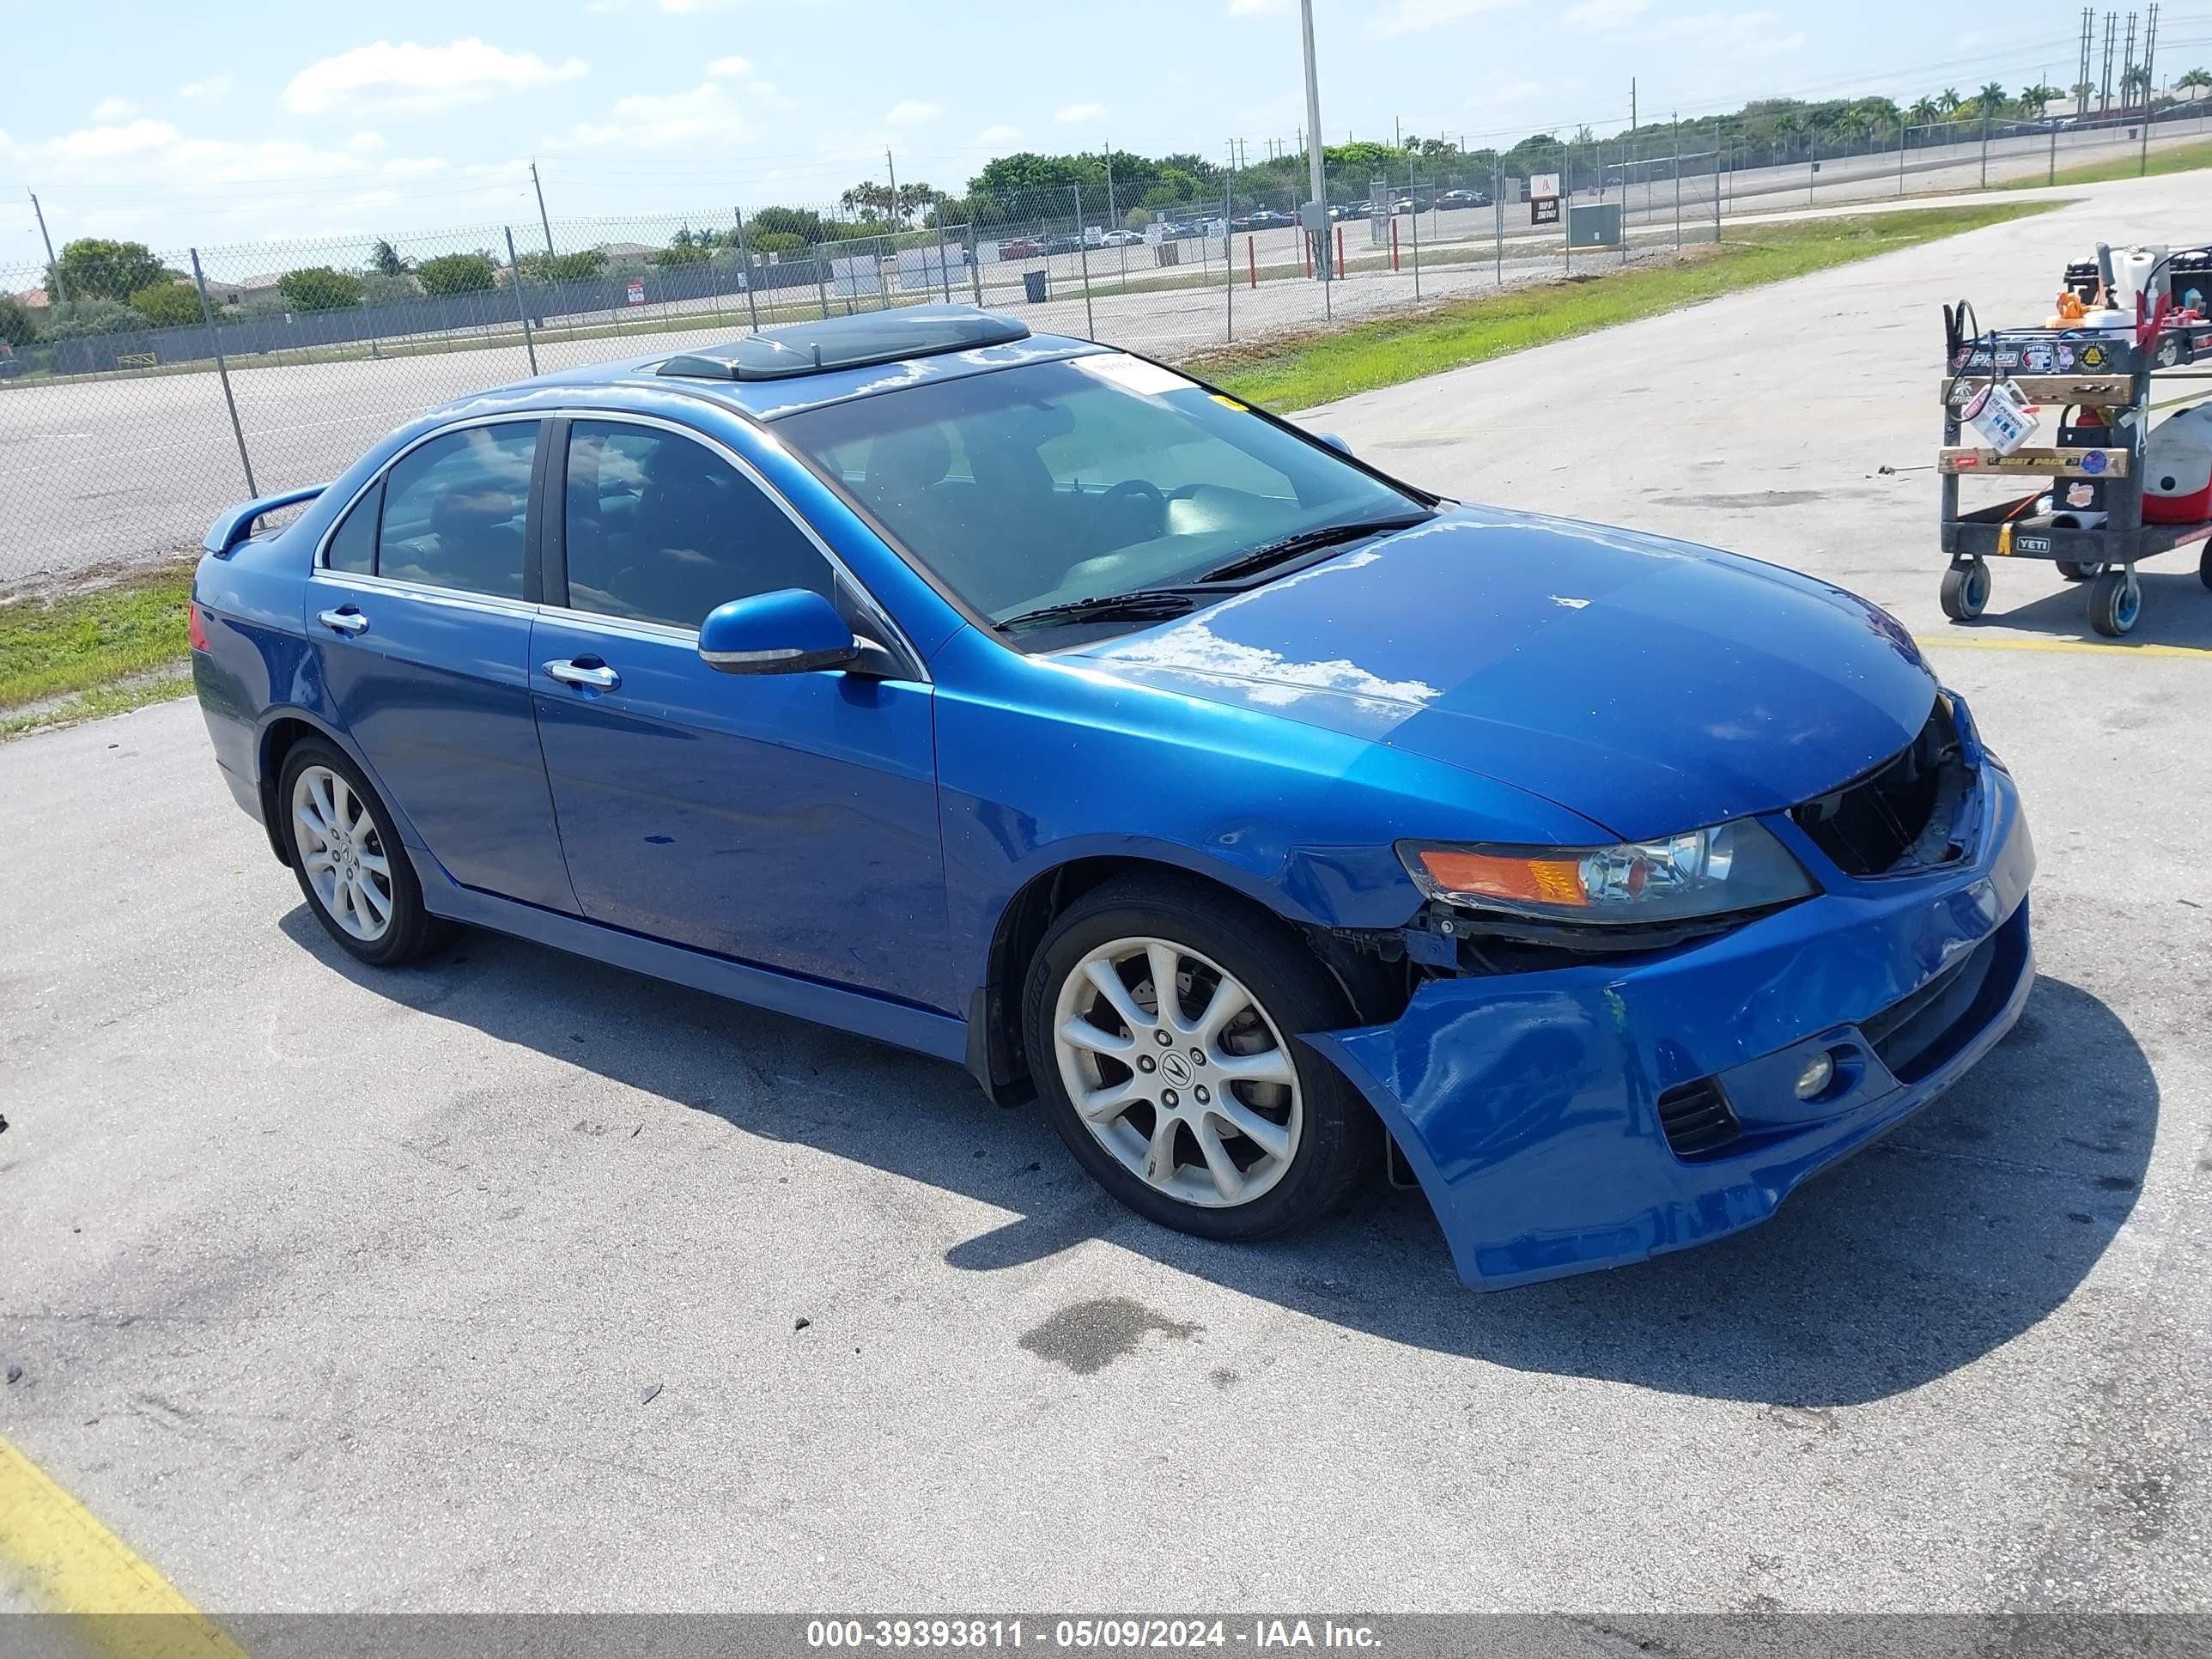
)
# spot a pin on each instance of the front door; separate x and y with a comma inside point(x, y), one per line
point(786, 820)
point(419, 610)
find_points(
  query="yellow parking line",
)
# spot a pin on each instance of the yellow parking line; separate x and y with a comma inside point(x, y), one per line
point(55, 1554)
point(1984, 642)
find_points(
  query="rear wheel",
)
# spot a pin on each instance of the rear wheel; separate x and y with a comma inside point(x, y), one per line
point(1965, 591)
point(2204, 565)
point(356, 876)
point(2077, 573)
point(2115, 601)
point(1161, 1020)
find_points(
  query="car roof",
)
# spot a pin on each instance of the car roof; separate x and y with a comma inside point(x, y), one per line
point(767, 375)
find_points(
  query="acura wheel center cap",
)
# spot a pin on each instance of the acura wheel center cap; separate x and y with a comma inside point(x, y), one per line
point(1175, 1069)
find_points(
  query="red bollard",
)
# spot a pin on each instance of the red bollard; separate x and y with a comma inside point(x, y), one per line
point(1251, 261)
point(1394, 241)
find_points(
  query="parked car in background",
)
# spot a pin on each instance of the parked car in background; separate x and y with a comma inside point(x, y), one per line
point(1122, 239)
point(1020, 247)
point(1032, 706)
point(1066, 242)
point(11, 364)
point(1462, 198)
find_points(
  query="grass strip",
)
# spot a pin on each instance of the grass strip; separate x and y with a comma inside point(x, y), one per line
point(2180, 158)
point(1298, 371)
point(57, 648)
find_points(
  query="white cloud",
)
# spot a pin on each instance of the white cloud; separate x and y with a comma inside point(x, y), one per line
point(661, 121)
point(729, 68)
point(411, 76)
point(1732, 33)
point(1001, 134)
point(1257, 8)
point(912, 112)
point(684, 8)
point(361, 143)
point(413, 166)
point(114, 109)
point(216, 86)
point(1074, 112)
point(1598, 15)
point(1406, 15)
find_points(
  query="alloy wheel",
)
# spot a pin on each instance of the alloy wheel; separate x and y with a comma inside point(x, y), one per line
point(342, 853)
point(1177, 1071)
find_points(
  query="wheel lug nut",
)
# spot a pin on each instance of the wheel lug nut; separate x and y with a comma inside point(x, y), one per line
point(1144, 1062)
point(1163, 1039)
point(1198, 1056)
point(1168, 1098)
point(1201, 1094)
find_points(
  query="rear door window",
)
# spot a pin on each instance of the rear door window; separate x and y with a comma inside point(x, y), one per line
point(352, 549)
point(456, 511)
point(658, 528)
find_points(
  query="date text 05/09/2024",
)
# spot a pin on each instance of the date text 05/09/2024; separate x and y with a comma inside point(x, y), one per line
point(1107, 1634)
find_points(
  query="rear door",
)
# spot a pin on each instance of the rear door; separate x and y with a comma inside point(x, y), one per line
point(788, 820)
point(421, 604)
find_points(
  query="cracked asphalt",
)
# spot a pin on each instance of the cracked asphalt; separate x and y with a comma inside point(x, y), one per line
point(516, 1282)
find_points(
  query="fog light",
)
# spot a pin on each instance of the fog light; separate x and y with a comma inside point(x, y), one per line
point(1817, 1074)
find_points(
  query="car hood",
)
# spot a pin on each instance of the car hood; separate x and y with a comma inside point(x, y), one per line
point(1647, 684)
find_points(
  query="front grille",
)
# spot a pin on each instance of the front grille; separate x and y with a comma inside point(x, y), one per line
point(1697, 1118)
point(1898, 816)
point(1915, 1034)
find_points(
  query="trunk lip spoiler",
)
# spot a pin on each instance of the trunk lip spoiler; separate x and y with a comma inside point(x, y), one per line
point(235, 524)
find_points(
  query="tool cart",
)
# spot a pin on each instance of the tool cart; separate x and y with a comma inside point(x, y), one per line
point(2104, 487)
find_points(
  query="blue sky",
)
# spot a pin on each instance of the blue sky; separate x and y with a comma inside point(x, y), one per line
point(174, 125)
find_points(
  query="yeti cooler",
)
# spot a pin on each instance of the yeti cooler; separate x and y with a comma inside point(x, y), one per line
point(2177, 469)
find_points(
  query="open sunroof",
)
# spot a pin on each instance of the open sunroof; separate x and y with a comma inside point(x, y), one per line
point(880, 337)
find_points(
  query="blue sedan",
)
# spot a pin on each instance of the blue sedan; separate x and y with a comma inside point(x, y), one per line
point(1025, 704)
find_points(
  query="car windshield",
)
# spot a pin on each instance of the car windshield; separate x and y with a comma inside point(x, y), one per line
point(1054, 482)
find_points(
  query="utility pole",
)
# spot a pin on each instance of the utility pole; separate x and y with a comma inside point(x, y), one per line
point(2150, 46)
point(53, 265)
point(2081, 82)
point(2105, 93)
point(2128, 64)
point(1113, 222)
point(891, 168)
point(1316, 175)
point(543, 221)
point(1631, 103)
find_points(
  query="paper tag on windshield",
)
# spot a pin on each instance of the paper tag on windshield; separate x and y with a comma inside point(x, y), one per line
point(1132, 373)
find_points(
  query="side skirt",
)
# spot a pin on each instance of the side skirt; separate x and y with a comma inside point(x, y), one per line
point(939, 1035)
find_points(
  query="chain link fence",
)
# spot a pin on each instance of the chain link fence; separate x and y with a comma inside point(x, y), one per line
point(132, 417)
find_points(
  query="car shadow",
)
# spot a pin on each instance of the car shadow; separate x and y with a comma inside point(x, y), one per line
point(2176, 610)
point(1958, 1231)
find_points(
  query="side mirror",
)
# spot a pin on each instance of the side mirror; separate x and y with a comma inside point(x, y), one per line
point(1335, 443)
point(793, 630)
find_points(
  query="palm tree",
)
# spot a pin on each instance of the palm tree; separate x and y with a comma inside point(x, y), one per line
point(1991, 98)
point(2082, 92)
point(2033, 99)
point(1924, 112)
point(2196, 77)
point(1947, 102)
point(2134, 78)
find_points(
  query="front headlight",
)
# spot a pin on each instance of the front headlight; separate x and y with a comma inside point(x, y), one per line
point(1705, 873)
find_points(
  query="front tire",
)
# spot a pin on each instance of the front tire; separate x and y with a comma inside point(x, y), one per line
point(1198, 1109)
point(1964, 593)
point(354, 874)
point(2115, 601)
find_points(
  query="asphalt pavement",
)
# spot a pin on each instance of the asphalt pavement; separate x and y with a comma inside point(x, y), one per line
point(516, 1282)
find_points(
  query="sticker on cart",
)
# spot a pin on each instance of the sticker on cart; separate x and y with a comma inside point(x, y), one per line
point(2079, 495)
point(2033, 545)
point(2064, 354)
point(2092, 356)
point(2093, 462)
point(2037, 359)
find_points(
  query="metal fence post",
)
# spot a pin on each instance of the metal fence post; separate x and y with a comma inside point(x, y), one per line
point(1716, 192)
point(821, 287)
point(521, 314)
point(975, 266)
point(1083, 258)
point(1902, 129)
point(1497, 221)
point(1985, 149)
point(745, 264)
point(1413, 187)
point(1678, 192)
point(1228, 263)
point(222, 374)
point(1812, 168)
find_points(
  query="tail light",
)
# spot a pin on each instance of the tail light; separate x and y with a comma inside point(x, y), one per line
point(195, 626)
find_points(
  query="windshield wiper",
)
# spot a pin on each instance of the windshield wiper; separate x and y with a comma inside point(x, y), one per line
point(1140, 604)
point(1308, 541)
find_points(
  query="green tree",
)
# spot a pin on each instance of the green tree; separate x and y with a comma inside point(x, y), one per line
point(384, 259)
point(458, 273)
point(2196, 77)
point(2134, 79)
point(1924, 112)
point(93, 268)
point(82, 319)
point(776, 242)
point(582, 266)
point(379, 288)
point(319, 288)
point(2034, 99)
point(686, 247)
point(1947, 102)
point(16, 328)
point(867, 201)
point(1991, 98)
point(168, 305)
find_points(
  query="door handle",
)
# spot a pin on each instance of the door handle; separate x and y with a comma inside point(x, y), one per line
point(598, 676)
point(344, 620)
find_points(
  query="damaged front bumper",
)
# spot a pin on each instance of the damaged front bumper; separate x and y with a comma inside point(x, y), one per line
point(1537, 1108)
